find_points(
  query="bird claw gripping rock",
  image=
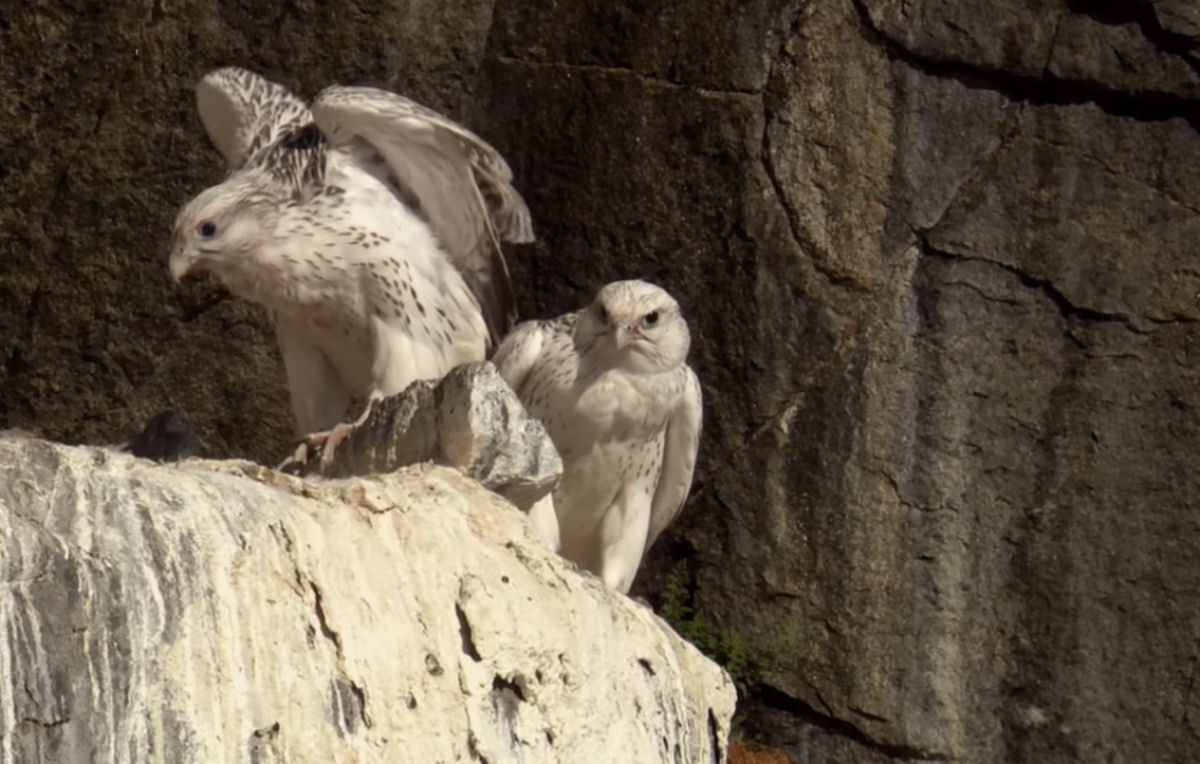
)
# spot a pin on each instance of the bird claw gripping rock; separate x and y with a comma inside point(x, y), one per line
point(470, 420)
point(315, 453)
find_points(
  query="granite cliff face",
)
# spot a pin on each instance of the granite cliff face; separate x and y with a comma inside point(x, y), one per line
point(938, 261)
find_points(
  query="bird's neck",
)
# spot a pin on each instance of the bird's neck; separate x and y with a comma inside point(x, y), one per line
point(600, 360)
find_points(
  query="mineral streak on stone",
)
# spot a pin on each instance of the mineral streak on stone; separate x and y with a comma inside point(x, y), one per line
point(221, 612)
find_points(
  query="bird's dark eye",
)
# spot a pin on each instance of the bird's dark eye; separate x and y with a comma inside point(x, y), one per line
point(650, 319)
point(207, 229)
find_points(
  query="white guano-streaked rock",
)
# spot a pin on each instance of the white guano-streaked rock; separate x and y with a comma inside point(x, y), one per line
point(222, 612)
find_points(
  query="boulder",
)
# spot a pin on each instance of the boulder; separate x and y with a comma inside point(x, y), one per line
point(470, 419)
point(218, 611)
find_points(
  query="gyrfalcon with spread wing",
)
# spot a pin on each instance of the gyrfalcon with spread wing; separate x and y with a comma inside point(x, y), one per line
point(367, 225)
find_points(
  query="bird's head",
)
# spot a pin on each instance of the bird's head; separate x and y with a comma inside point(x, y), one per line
point(637, 326)
point(220, 229)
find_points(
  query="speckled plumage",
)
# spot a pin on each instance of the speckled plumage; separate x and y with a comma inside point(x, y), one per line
point(369, 227)
point(615, 393)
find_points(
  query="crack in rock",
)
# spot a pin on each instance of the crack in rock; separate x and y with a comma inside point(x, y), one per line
point(267, 733)
point(348, 696)
point(714, 738)
point(464, 630)
point(326, 630)
point(473, 749)
point(1046, 287)
point(507, 697)
point(44, 723)
point(620, 71)
point(502, 685)
point(1044, 89)
point(844, 728)
point(350, 699)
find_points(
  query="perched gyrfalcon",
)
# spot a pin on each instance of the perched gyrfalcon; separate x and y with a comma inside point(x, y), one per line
point(612, 386)
point(367, 225)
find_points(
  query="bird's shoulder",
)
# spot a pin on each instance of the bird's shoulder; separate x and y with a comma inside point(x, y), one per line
point(551, 336)
point(559, 331)
point(526, 350)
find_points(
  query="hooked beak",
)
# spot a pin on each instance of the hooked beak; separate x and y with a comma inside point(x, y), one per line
point(183, 259)
point(627, 333)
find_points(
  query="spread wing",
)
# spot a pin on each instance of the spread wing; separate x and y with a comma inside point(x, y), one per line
point(243, 112)
point(464, 187)
point(680, 445)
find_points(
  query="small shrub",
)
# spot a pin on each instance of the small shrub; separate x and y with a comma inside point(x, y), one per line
point(747, 661)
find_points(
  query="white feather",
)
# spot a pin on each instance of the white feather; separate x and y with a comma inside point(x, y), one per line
point(681, 443)
point(242, 112)
point(516, 356)
point(447, 168)
point(628, 432)
point(364, 291)
point(319, 397)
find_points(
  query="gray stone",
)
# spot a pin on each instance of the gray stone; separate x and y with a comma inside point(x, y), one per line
point(470, 420)
point(1177, 17)
point(214, 612)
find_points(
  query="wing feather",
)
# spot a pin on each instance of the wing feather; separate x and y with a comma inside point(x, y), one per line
point(519, 353)
point(681, 443)
point(463, 185)
point(244, 112)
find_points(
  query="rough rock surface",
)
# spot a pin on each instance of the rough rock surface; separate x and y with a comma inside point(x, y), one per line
point(222, 612)
point(470, 420)
point(938, 257)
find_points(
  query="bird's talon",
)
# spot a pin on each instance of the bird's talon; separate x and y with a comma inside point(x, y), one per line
point(315, 452)
point(295, 463)
point(330, 442)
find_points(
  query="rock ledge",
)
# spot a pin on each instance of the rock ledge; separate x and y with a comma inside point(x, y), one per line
point(223, 612)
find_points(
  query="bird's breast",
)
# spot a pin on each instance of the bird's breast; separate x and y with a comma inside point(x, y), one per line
point(618, 407)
